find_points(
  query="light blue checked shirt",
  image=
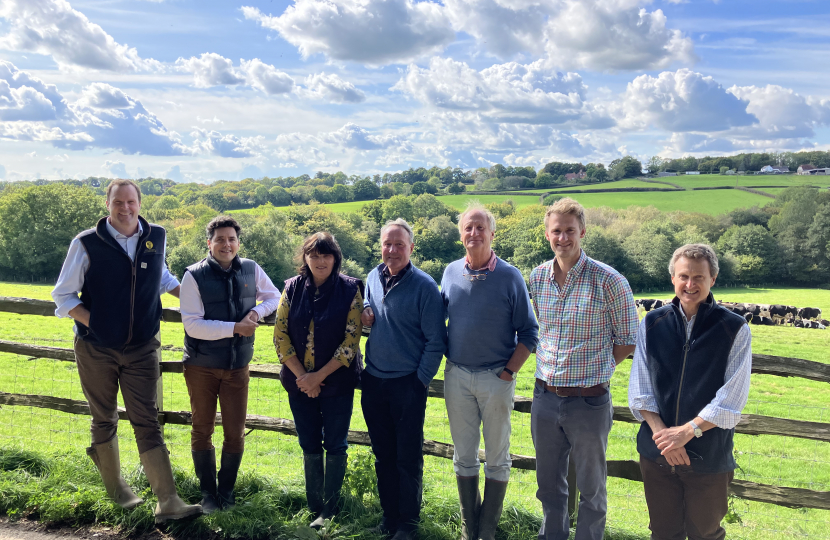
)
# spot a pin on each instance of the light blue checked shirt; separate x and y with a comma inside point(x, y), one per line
point(725, 410)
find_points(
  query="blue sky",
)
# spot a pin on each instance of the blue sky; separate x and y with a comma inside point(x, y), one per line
point(205, 90)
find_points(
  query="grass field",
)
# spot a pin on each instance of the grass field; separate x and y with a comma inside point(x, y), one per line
point(709, 202)
point(277, 458)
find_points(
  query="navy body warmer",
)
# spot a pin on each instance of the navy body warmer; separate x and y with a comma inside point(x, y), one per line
point(686, 375)
point(330, 313)
point(122, 295)
point(227, 295)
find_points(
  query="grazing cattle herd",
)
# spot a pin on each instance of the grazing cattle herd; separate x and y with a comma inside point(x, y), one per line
point(762, 314)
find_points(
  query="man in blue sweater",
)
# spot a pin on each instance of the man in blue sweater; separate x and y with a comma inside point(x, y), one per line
point(492, 331)
point(408, 340)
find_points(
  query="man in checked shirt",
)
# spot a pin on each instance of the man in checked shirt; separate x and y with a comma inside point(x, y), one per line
point(689, 382)
point(587, 326)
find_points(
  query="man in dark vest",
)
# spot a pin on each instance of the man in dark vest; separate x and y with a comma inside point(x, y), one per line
point(689, 382)
point(220, 314)
point(118, 268)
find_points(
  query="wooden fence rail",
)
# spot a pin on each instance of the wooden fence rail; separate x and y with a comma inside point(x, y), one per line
point(749, 424)
point(630, 470)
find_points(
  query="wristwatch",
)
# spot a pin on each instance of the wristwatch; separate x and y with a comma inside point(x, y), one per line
point(698, 431)
point(510, 372)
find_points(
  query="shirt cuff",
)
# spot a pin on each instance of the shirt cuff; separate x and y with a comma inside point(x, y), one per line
point(723, 418)
point(624, 340)
point(63, 310)
point(643, 403)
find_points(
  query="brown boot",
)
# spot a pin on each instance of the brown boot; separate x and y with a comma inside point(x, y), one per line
point(470, 500)
point(488, 517)
point(156, 464)
point(107, 459)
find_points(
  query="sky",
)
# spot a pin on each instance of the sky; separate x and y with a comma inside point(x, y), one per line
point(200, 90)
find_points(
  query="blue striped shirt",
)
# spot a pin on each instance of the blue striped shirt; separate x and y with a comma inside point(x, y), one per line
point(725, 410)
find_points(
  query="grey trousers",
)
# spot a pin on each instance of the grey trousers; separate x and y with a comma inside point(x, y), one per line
point(562, 427)
point(135, 369)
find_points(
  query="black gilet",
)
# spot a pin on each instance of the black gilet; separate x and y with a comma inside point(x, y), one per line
point(227, 295)
point(122, 295)
point(686, 375)
point(330, 312)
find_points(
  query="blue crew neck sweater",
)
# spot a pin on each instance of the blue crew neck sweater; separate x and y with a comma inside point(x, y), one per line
point(409, 333)
point(487, 318)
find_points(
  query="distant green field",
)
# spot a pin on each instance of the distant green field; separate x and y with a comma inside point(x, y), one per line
point(711, 180)
point(708, 202)
point(620, 184)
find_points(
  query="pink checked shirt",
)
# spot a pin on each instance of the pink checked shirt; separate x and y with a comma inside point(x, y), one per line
point(580, 323)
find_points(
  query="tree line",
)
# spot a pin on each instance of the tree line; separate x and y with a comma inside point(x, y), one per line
point(747, 162)
point(787, 241)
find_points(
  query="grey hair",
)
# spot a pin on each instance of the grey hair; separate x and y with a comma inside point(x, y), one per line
point(696, 251)
point(475, 206)
point(400, 222)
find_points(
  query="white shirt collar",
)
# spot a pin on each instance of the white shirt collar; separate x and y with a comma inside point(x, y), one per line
point(115, 234)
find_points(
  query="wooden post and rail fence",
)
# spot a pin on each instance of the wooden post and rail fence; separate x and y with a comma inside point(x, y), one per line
point(750, 424)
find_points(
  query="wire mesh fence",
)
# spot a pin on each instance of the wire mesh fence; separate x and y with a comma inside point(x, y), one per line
point(767, 459)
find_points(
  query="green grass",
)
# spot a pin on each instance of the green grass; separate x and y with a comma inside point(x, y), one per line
point(272, 480)
point(620, 184)
point(708, 202)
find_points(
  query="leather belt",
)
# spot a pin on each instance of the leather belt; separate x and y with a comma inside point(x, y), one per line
point(576, 391)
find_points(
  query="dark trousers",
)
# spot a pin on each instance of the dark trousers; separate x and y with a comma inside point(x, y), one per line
point(230, 386)
point(683, 503)
point(322, 422)
point(135, 369)
point(394, 410)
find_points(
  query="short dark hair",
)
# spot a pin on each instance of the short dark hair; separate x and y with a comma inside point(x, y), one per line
point(322, 243)
point(220, 222)
point(118, 182)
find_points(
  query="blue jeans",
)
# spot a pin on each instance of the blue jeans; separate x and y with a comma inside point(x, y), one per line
point(322, 422)
point(474, 398)
point(559, 425)
point(394, 410)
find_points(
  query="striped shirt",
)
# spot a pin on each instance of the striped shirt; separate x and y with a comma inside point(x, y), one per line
point(581, 322)
point(725, 410)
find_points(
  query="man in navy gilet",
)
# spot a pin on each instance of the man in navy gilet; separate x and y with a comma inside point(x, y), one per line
point(119, 269)
point(220, 314)
point(689, 382)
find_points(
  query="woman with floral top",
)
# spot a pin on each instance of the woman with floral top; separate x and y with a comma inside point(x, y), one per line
point(317, 337)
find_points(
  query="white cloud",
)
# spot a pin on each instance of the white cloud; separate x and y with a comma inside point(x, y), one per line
point(315, 149)
point(23, 97)
point(211, 69)
point(355, 137)
point(781, 112)
point(227, 145)
point(330, 87)
point(52, 27)
point(374, 32)
point(503, 27)
point(681, 101)
point(266, 77)
point(511, 92)
point(613, 35)
point(103, 117)
point(104, 96)
point(115, 168)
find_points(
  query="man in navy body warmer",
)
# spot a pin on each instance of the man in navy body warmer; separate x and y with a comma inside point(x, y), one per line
point(118, 268)
point(689, 382)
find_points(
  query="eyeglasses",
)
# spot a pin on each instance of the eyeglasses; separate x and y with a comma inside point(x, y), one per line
point(476, 277)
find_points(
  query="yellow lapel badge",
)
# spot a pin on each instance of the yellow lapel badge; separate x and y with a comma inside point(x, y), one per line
point(149, 244)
